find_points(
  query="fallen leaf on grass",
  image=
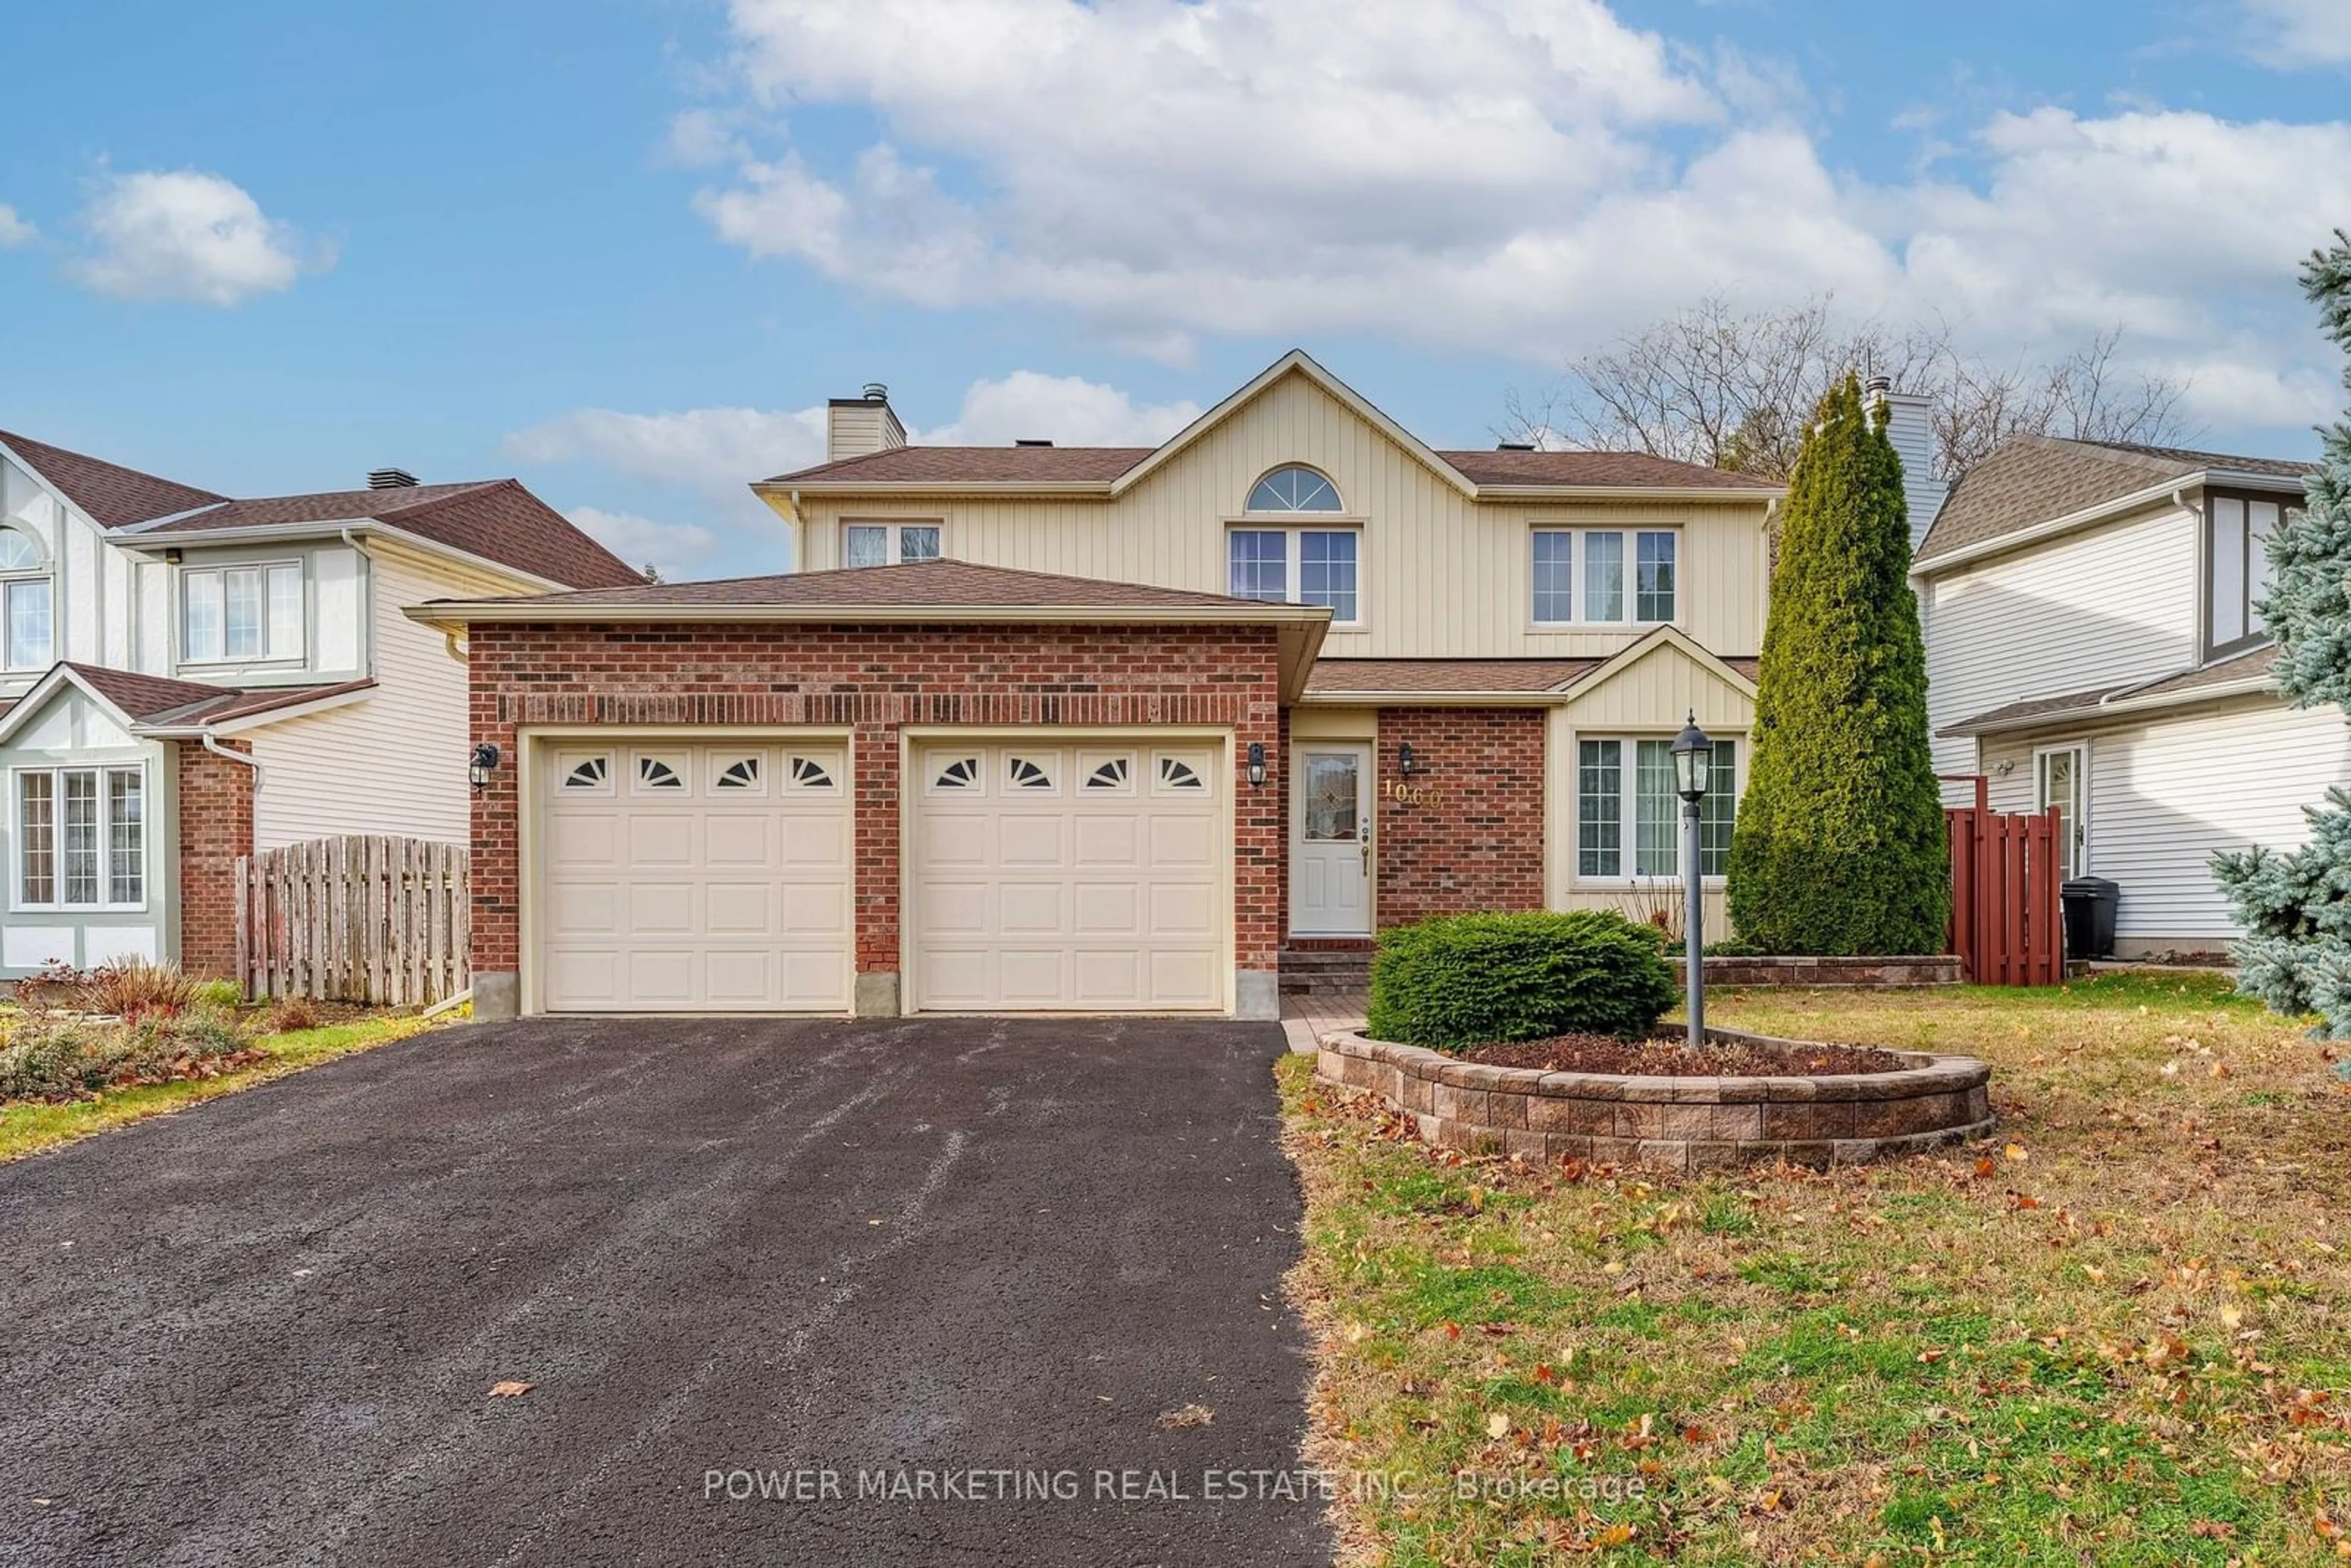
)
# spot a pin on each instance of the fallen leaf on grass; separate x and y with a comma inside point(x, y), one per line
point(509, 1389)
point(1498, 1425)
point(1184, 1416)
point(2015, 1154)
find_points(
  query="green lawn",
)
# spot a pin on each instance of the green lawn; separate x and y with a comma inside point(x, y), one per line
point(2117, 1332)
point(27, 1129)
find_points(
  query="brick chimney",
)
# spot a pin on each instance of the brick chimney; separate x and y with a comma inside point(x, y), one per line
point(855, 426)
point(1909, 425)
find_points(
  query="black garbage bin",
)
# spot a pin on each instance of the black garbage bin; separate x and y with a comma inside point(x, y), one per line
point(2090, 917)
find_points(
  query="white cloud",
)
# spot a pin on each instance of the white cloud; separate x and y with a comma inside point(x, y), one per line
point(188, 235)
point(2299, 33)
point(13, 230)
point(717, 451)
point(674, 549)
point(1527, 177)
point(1065, 410)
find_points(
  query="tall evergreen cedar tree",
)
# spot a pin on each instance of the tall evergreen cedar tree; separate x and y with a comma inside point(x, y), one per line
point(1839, 846)
point(2295, 906)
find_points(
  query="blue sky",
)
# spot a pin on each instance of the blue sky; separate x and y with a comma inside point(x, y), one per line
point(622, 247)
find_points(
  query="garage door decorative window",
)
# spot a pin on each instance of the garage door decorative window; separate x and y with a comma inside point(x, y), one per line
point(590, 773)
point(807, 773)
point(963, 773)
point(1174, 773)
point(1115, 774)
point(655, 774)
point(1028, 773)
point(741, 774)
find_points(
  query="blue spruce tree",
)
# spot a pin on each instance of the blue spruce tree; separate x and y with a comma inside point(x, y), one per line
point(2295, 906)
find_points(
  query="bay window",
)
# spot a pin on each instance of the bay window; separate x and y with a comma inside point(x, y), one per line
point(1629, 783)
point(1609, 589)
point(889, 544)
point(26, 630)
point(81, 838)
point(2237, 530)
point(1296, 566)
point(241, 612)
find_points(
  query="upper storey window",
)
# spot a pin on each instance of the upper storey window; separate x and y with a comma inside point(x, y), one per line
point(1294, 489)
point(241, 612)
point(889, 544)
point(1604, 577)
point(26, 631)
point(2237, 530)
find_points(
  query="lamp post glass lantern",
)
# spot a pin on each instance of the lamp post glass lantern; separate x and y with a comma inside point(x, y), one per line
point(1693, 761)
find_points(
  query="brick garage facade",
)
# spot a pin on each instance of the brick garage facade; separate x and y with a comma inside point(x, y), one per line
point(216, 813)
point(876, 680)
point(1464, 832)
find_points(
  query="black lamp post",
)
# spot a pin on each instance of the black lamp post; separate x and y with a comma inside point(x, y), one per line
point(1693, 761)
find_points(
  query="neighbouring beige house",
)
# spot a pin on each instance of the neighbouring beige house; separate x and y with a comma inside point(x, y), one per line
point(185, 677)
point(2092, 645)
point(1118, 728)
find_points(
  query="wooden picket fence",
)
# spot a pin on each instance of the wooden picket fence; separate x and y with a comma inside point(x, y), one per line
point(369, 919)
point(2007, 913)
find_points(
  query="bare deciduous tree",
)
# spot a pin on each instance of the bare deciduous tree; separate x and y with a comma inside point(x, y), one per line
point(1736, 389)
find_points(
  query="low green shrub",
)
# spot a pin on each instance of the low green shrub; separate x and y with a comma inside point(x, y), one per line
point(67, 1059)
point(1470, 979)
point(220, 996)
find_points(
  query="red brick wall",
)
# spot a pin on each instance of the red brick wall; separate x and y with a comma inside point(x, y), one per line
point(1468, 833)
point(215, 827)
point(876, 680)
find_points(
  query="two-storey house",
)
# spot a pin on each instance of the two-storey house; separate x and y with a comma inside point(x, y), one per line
point(1092, 728)
point(2092, 645)
point(185, 677)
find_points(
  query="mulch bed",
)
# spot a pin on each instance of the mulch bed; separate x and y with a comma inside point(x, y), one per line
point(1669, 1056)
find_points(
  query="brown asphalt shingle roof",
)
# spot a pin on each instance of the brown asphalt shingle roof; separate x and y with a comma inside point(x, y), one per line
point(945, 584)
point(1445, 674)
point(113, 496)
point(2185, 685)
point(1099, 464)
point(2033, 479)
point(150, 697)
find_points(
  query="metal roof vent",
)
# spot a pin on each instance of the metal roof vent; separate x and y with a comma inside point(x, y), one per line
point(1030, 441)
point(1878, 386)
point(874, 392)
point(1514, 446)
point(390, 480)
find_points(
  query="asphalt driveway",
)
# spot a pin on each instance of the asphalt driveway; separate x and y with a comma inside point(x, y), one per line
point(972, 1260)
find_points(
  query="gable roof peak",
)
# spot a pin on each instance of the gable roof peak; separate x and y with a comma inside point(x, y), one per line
point(109, 494)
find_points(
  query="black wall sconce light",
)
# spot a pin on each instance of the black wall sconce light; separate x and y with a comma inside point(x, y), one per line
point(172, 556)
point(1257, 764)
point(485, 763)
point(1406, 763)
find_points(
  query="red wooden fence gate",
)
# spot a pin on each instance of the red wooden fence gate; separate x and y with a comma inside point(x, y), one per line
point(2007, 916)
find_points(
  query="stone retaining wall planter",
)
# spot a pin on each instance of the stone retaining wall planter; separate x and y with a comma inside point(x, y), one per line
point(1883, 973)
point(1680, 1123)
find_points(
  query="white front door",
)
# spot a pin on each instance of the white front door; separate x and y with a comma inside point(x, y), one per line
point(1331, 838)
point(2061, 782)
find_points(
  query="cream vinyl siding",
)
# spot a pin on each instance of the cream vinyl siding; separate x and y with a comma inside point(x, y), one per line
point(394, 761)
point(2164, 793)
point(2103, 606)
point(1439, 575)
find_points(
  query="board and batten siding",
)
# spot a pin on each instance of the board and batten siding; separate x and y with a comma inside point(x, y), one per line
point(1441, 576)
point(2164, 793)
point(394, 761)
point(2108, 604)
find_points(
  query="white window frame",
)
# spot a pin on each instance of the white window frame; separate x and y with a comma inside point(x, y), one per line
point(1628, 807)
point(57, 777)
point(894, 537)
point(1580, 555)
point(2080, 826)
point(2249, 569)
point(270, 652)
point(1293, 555)
point(42, 571)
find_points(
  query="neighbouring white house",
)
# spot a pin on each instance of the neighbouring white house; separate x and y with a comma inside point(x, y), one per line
point(2092, 645)
point(185, 677)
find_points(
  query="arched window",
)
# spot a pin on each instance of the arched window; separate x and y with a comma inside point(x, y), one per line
point(24, 602)
point(1294, 489)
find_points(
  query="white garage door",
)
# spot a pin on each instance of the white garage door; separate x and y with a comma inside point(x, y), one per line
point(1088, 877)
point(696, 878)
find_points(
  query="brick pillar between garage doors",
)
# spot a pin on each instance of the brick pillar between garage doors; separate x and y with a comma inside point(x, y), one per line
point(215, 827)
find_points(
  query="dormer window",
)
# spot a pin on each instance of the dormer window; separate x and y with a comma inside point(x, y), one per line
point(241, 614)
point(2237, 530)
point(26, 625)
